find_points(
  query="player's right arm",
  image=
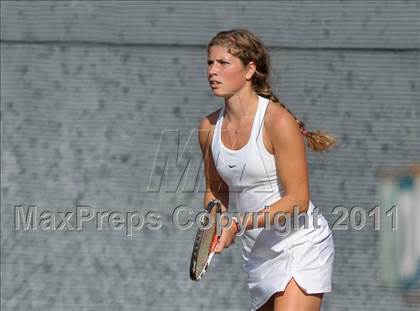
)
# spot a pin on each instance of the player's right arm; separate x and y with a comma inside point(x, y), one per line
point(216, 188)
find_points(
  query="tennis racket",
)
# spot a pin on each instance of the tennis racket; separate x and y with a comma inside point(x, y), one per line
point(206, 241)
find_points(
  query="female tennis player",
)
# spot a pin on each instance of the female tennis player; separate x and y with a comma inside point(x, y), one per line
point(254, 154)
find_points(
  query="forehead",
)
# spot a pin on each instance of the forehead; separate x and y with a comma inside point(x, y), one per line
point(219, 51)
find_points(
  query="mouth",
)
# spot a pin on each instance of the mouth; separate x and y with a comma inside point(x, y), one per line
point(214, 83)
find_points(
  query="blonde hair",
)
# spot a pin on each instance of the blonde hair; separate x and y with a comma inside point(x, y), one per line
point(246, 46)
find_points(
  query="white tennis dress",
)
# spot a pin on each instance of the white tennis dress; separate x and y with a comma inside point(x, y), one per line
point(271, 256)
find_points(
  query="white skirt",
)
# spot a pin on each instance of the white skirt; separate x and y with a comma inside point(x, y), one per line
point(306, 254)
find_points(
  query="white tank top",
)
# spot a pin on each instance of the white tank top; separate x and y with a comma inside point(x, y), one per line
point(251, 176)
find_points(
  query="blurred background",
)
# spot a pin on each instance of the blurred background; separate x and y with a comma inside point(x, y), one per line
point(100, 101)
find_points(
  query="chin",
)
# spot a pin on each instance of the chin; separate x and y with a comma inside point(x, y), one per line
point(219, 93)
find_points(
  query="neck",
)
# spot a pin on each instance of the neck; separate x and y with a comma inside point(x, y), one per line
point(240, 107)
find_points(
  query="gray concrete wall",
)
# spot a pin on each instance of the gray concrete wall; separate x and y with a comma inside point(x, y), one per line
point(88, 89)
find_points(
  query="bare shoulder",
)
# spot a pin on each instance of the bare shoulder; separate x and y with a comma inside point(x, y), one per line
point(208, 121)
point(280, 124)
point(206, 126)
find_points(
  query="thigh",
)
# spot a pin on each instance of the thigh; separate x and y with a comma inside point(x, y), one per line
point(295, 298)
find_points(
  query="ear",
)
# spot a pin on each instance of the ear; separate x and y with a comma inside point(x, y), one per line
point(251, 68)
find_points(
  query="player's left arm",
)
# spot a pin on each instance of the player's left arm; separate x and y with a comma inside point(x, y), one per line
point(290, 156)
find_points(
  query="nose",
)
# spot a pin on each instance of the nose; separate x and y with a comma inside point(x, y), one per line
point(212, 70)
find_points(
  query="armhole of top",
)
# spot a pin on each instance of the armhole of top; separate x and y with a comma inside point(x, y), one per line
point(214, 129)
point(262, 132)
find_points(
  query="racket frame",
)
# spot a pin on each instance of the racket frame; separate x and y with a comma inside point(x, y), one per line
point(215, 203)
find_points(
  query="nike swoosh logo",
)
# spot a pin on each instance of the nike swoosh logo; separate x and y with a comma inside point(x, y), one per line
point(231, 166)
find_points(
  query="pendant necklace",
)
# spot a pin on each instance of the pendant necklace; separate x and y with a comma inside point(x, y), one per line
point(236, 130)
